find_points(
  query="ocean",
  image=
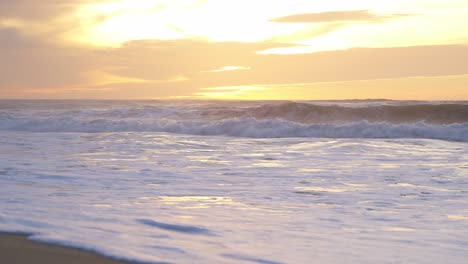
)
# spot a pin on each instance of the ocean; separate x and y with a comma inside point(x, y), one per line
point(267, 182)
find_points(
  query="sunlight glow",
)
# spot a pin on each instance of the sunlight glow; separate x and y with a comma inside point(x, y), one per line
point(390, 23)
point(113, 23)
point(229, 68)
point(196, 202)
point(230, 92)
point(397, 89)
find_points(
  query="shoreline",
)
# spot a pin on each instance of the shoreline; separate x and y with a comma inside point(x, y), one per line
point(16, 248)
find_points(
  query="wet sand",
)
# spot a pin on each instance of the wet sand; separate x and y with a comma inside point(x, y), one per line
point(18, 249)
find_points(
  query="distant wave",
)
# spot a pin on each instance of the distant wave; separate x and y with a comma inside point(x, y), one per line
point(250, 127)
point(313, 113)
point(448, 121)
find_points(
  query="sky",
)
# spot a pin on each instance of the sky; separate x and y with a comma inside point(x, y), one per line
point(226, 49)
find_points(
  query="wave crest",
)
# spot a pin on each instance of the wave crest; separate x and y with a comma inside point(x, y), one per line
point(250, 127)
point(313, 113)
point(244, 119)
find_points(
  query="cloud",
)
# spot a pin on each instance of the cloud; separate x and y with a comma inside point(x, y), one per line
point(37, 10)
point(168, 68)
point(229, 68)
point(11, 39)
point(336, 16)
point(191, 57)
point(146, 68)
point(308, 33)
point(347, 65)
point(48, 20)
point(162, 59)
point(35, 59)
point(29, 62)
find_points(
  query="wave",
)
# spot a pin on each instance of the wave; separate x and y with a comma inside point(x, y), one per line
point(251, 127)
point(313, 113)
point(447, 121)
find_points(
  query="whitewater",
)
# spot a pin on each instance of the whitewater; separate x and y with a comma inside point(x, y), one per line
point(347, 119)
point(371, 181)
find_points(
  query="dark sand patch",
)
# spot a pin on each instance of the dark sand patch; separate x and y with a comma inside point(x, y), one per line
point(18, 249)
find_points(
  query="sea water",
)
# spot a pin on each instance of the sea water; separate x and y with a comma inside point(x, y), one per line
point(239, 182)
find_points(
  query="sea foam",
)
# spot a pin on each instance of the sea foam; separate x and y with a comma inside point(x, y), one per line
point(447, 121)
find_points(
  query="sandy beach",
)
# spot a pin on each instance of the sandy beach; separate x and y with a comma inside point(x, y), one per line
point(18, 249)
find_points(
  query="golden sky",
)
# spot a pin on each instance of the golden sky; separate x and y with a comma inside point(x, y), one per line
point(226, 49)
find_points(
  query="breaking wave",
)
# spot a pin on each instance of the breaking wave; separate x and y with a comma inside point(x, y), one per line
point(313, 113)
point(257, 120)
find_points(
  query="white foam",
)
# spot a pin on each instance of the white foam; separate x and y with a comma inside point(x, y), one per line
point(243, 127)
point(204, 182)
point(159, 197)
point(265, 121)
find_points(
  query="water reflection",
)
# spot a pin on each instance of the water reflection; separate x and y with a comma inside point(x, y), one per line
point(196, 202)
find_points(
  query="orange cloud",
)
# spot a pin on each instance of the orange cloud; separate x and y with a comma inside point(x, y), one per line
point(336, 16)
point(410, 88)
point(152, 69)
